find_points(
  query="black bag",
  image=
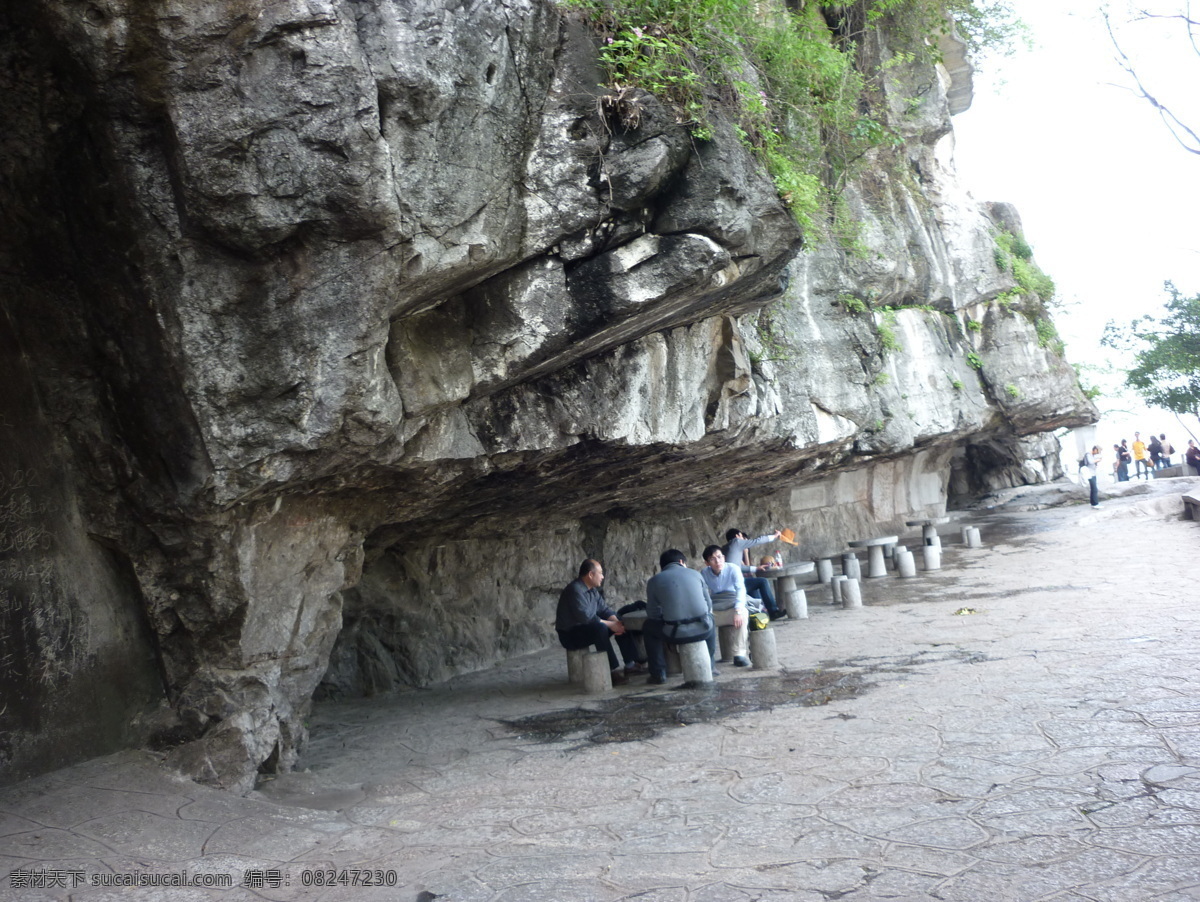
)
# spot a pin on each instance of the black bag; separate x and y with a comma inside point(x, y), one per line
point(1084, 462)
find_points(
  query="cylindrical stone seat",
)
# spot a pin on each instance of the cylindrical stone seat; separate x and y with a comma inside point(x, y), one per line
point(795, 604)
point(851, 594)
point(906, 565)
point(697, 666)
point(974, 540)
point(575, 658)
point(597, 677)
point(850, 565)
point(835, 586)
point(674, 665)
point(932, 557)
point(763, 655)
point(824, 569)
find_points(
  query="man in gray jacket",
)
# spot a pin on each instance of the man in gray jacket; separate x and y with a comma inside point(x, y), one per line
point(678, 610)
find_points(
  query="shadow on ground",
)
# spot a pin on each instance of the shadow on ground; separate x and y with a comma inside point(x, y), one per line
point(638, 717)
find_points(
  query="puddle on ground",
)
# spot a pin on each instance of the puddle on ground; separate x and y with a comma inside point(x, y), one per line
point(634, 717)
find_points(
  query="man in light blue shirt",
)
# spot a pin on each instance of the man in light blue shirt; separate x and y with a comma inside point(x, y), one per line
point(728, 592)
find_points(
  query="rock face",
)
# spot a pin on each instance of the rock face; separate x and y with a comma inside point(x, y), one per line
point(344, 329)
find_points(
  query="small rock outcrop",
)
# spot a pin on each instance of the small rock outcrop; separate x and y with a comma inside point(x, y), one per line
point(343, 329)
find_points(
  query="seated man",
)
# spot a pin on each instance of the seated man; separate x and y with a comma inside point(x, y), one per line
point(729, 601)
point(737, 553)
point(583, 619)
point(678, 610)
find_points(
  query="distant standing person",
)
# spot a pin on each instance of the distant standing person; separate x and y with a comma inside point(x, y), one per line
point(678, 610)
point(1167, 450)
point(1124, 460)
point(583, 618)
point(1091, 472)
point(1141, 460)
point(1192, 456)
point(1155, 448)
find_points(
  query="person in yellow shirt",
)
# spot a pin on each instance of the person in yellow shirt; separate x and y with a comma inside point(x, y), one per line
point(1141, 458)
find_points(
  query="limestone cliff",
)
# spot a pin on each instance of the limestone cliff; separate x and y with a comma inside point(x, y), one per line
point(359, 320)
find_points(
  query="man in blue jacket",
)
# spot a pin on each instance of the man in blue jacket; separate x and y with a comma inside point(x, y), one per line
point(678, 610)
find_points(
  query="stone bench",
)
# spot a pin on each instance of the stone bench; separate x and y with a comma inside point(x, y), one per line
point(875, 565)
point(1191, 506)
point(929, 525)
point(790, 596)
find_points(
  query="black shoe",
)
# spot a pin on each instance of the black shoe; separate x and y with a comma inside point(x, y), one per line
point(741, 661)
point(618, 678)
point(656, 680)
point(778, 614)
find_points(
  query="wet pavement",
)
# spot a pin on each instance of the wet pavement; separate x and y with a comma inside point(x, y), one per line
point(1022, 725)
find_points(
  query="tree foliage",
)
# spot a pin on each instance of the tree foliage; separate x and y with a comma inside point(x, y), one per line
point(1166, 353)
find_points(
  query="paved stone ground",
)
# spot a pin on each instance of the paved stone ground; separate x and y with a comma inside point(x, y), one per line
point(1022, 725)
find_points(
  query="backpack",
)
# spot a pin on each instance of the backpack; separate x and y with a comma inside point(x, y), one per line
point(1084, 462)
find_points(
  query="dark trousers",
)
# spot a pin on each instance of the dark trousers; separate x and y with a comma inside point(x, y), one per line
point(1138, 466)
point(1122, 472)
point(656, 635)
point(599, 636)
point(1095, 490)
point(761, 589)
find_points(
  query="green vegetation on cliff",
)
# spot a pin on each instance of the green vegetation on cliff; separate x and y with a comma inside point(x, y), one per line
point(793, 78)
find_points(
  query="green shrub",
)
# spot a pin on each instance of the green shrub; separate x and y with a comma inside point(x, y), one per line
point(852, 304)
point(1046, 333)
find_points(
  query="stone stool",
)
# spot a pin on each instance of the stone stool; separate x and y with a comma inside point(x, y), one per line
point(697, 666)
point(835, 586)
point(824, 569)
point(674, 665)
point(906, 564)
point(762, 650)
point(597, 677)
point(795, 603)
point(972, 537)
point(850, 565)
point(851, 594)
point(932, 556)
point(575, 664)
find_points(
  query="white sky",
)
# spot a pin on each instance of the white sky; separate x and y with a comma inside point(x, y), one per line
point(1110, 202)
